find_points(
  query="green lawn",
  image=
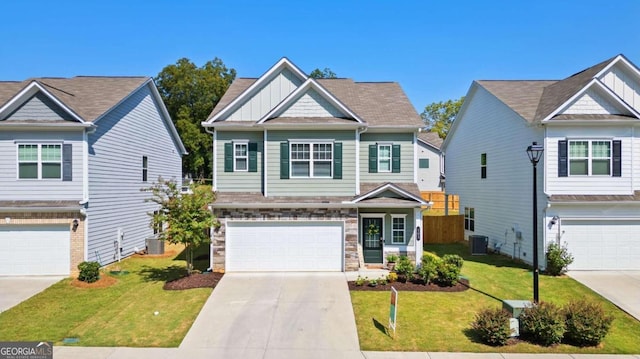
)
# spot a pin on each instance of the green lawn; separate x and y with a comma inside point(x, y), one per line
point(120, 315)
point(431, 321)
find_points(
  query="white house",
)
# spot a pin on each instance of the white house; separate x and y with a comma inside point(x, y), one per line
point(588, 178)
point(430, 171)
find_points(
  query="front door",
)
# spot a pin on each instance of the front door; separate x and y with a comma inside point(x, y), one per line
point(372, 240)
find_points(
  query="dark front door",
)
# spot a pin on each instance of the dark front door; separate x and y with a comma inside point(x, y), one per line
point(372, 240)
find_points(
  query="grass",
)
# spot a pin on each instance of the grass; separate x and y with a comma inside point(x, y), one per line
point(440, 322)
point(119, 315)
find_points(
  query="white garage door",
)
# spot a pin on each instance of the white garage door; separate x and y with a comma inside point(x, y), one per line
point(602, 245)
point(34, 250)
point(284, 246)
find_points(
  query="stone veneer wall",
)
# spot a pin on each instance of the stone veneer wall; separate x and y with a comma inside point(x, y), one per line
point(349, 216)
point(76, 237)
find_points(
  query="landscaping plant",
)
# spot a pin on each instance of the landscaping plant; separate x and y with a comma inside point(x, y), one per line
point(392, 277)
point(404, 268)
point(586, 323)
point(542, 323)
point(492, 326)
point(360, 281)
point(558, 259)
point(89, 271)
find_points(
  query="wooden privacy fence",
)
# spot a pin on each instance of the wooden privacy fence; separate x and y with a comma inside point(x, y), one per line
point(438, 199)
point(442, 229)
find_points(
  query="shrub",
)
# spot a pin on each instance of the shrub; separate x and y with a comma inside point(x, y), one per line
point(89, 271)
point(492, 326)
point(586, 323)
point(404, 266)
point(558, 259)
point(428, 272)
point(392, 258)
point(360, 281)
point(392, 277)
point(542, 323)
point(454, 259)
point(429, 257)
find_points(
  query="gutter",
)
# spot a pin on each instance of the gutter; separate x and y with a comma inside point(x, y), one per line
point(317, 205)
point(40, 209)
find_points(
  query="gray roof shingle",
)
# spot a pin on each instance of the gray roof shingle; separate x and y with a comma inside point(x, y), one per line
point(431, 138)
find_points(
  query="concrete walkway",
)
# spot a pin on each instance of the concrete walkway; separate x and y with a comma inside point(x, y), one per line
point(15, 290)
point(621, 288)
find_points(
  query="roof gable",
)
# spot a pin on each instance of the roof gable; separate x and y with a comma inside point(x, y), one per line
point(38, 108)
point(389, 190)
point(34, 94)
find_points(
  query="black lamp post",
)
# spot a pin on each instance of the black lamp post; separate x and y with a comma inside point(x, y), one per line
point(535, 153)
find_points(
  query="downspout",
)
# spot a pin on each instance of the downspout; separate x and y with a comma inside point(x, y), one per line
point(213, 187)
point(85, 186)
point(264, 163)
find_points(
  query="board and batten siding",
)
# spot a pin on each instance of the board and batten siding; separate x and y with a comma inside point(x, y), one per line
point(240, 181)
point(502, 201)
point(589, 185)
point(405, 140)
point(619, 80)
point(12, 188)
point(133, 129)
point(39, 107)
point(428, 178)
point(267, 97)
point(311, 186)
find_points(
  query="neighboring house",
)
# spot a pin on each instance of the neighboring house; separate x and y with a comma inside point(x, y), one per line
point(430, 171)
point(74, 154)
point(589, 177)
point(316, 175)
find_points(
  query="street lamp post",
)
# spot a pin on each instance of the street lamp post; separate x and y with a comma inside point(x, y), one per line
point(535, 153)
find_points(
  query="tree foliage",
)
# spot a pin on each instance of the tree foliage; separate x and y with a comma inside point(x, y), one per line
point(184, 217)
point(323, 74)
point(190, 93)
point(438, 116)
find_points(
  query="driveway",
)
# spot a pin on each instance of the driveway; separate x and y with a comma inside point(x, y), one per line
point(14, 290)
point(277, 315)
point(621, 288)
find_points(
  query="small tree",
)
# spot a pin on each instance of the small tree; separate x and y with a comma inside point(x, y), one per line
point(186, 215)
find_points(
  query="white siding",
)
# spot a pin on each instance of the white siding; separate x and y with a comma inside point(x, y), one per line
point(588, 184)
point(405, 140)
point(266, 98)
point(591, 102)
point(623, 84)
point(428, 178)
point(503, 200)
point(12, 188)
point(132, 130)
point(311, 104)
point(242, 181)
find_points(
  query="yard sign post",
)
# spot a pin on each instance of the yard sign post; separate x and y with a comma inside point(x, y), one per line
point(393, 310)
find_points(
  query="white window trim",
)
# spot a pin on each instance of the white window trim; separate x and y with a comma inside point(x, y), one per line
point(145, 169)
point(390, 145)
point(311, 160)
point(38, 161)
point(468, 219)
point(404, 228)
point(590, 157)
point(242, 143)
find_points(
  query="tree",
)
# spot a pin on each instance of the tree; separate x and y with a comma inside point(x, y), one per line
point(190, 93)
point(438, 116)
point(184, 217)
point(323, 74)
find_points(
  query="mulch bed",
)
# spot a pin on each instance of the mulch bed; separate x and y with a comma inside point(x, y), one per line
point(195, 280)
point(462, 285)
point(103, 282)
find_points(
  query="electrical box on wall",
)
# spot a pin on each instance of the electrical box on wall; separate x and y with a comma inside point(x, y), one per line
point(519, 235)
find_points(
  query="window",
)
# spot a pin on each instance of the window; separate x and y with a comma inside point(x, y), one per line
point(423, 163)
point(469, 219)
point(384, 158)
point(589, 158)
point(158, 227)
point(397, 229)
point(145, 168)
point(241, 157)
point(483, 165)
point(311, 159)
point(39, 161)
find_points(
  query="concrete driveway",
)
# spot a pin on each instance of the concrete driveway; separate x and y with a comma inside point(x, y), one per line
point(277, 315)
point(621, 288)
point(14, 290)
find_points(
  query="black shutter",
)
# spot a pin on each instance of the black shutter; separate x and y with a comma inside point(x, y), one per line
point(284, 160)
point(228, 157)
point(373, 158)
point(67, 162)
point(617, 160)
point(253, 157)
point(562, 158)
point(337, 160)
point(395, 159)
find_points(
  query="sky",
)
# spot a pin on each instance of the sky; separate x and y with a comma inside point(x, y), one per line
point(434, 49)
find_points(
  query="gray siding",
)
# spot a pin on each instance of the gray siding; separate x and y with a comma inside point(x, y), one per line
point(12, 188)
point(243, 181)
point(132, 130)
point(311, 186)
point(39, 107)
point(311, 104)
point(405, 140)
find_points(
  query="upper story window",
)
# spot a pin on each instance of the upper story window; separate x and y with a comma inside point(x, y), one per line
point(469, 219)
point(483, 165)
point(589, 158)
point(423, 163)
point(241, 156)
point(311, 159)
point(384, 158)
point(39, 161)
point(398, 229)
point(145, 168)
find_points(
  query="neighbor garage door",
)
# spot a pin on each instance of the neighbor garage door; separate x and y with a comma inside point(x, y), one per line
point(602, 245)
point(284, 246)
point(34, 250)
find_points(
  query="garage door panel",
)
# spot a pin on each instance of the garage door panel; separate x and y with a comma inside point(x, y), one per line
point(34, 250)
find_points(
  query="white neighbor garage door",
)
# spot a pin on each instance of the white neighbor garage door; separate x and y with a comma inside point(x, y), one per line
point(34, 250)
point(602, 245)
point(284, 246)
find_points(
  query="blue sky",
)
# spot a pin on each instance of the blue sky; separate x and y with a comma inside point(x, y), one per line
point(434, 49)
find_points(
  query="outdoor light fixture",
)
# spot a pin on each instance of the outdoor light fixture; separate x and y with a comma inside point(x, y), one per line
point(75, 224)
point(535, 153)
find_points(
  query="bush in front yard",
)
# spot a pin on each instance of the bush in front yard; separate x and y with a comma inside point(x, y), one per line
point(89, 271)
point(404, 267)
point(558, 259)
point(453, 259)
point(492, 326)
point(542, 323)
point(586, 323)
